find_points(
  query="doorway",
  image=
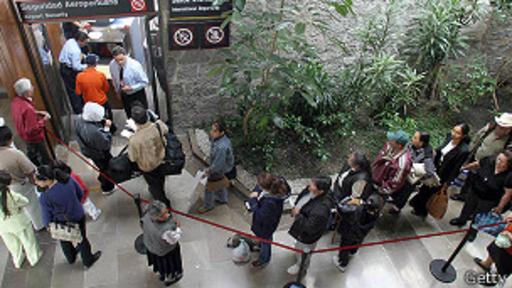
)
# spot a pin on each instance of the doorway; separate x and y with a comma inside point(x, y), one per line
point(138, 35)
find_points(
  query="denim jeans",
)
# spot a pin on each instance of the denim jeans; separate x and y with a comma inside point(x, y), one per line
point(265, 251)
point(219, 195)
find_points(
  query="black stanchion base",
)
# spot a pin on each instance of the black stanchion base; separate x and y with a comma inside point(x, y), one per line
point(139, 245)
point(436, 268)
point(294, 285)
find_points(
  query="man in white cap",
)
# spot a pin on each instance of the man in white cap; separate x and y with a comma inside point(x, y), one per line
point(95, 140)
point(29, 122)
point(488, 141)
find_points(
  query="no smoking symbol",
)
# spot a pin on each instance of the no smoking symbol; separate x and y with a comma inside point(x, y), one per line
point(183, 37)
point(138, 5)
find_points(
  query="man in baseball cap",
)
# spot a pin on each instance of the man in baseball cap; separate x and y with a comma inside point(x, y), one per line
point(92, 85)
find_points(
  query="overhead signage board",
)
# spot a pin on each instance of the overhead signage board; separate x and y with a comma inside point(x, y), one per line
point(197, 24)
point(197, 9)
point(62, 10)
point(195, 35)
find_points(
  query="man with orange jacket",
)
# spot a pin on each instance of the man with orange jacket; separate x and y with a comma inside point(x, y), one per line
point(92, 85)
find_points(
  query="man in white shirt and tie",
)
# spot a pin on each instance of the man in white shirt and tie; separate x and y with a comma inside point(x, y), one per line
point(129, 79)
point(70, 59)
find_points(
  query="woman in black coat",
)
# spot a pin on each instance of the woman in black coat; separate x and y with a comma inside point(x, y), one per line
point(312, 210)
point(448, 159)
point(489, 188)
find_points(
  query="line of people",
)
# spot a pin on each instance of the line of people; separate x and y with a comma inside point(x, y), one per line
point(402, 167)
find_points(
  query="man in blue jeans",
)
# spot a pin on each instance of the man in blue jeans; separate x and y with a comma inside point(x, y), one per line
point(222, 168)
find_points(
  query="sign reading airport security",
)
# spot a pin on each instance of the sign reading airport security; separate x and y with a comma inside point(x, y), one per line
point(58, 10)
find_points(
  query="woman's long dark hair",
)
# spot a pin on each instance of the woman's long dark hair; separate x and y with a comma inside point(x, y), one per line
point(362, 162)
point(465, 130)
point(424, 138)
point(46, 172)
point(5, 181)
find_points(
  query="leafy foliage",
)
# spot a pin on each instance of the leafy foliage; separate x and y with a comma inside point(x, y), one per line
point(438, 127)
point(463, 85)
point(276, 77)
point(285, 94)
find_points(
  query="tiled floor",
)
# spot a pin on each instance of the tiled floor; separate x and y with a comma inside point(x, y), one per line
point(207, 261)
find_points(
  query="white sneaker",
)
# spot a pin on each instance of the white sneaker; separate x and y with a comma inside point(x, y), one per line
point(293, 270)
point(336, 263)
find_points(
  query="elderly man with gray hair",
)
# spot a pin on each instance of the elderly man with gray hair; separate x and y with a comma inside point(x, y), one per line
point(30, 122)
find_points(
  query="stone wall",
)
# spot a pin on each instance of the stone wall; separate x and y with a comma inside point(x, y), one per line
point(195, 99)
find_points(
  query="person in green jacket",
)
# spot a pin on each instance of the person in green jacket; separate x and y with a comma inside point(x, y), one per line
point(15, 226)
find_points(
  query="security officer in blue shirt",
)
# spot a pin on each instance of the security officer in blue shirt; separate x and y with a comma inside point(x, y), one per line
point(70, 59)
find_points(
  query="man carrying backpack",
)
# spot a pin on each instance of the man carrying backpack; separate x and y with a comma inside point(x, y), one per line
point(489, 141)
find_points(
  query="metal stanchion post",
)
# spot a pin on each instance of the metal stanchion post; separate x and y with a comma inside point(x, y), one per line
point(443, 270)
point(139, 241)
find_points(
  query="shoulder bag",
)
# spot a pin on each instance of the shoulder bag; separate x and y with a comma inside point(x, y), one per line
point(121, 169)
point(437, 205)
point(67, 231)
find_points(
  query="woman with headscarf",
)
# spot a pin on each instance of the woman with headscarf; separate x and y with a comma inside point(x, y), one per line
point(95, 140)
point(15, 227)
point(161, 236)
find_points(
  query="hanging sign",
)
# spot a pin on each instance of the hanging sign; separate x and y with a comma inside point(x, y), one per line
point(197, 24)
point(195, 35)
point(59, 10)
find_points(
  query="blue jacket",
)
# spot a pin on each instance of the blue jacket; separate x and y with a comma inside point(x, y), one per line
point(222, 159)
point(266, 215)
point(61, 203)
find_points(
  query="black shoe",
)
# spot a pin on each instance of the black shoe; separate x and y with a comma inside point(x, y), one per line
point(458, 197)
point(95, 257)
point(457, 222)
point(168, 281)
point(258, 264)
point(478, 262)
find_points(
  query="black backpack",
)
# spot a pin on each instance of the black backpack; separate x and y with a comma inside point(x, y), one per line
point(174, 160)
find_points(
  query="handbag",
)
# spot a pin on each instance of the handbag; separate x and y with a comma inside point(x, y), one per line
point(67, 231)
point(488, 218)
point(121, 169)
point(437, 205)
point(418, 171)
point(174, 160)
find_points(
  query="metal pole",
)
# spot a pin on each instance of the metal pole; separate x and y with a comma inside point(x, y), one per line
point(443, 270)
point(139, 241)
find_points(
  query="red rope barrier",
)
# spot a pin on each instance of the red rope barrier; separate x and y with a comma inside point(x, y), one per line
point(202, 220)
point(227, 228)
